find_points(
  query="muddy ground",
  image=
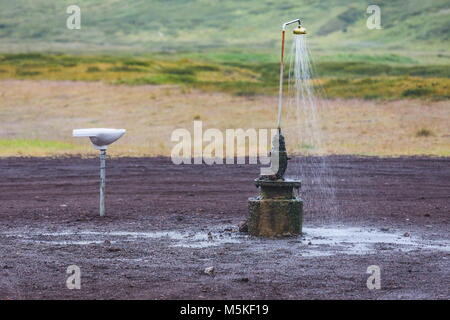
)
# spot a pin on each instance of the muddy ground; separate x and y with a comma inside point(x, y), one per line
point(165, 224)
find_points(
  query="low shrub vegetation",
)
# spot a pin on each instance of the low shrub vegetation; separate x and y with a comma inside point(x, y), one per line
point(339, 79)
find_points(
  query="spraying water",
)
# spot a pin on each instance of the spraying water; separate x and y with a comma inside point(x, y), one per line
point(310, 164)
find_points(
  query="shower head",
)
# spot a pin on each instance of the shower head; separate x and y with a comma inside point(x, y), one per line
point(299, 30)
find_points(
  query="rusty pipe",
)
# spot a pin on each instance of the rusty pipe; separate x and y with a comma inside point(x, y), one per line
point(280, 97)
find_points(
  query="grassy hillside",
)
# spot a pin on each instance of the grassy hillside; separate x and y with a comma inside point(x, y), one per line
point(230, 46)
point(165, 25)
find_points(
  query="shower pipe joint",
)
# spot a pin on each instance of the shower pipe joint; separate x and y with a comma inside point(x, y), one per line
point(290, 22)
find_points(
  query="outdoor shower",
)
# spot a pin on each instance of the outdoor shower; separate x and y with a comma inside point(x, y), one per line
point(277, 211)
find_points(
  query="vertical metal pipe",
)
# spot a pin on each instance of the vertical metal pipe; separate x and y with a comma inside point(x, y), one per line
point(102, 181)
point(280, 97)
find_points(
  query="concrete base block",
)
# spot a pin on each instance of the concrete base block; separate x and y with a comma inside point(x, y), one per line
point(274, 217)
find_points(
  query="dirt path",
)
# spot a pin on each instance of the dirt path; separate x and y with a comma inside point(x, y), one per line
point(165, 224)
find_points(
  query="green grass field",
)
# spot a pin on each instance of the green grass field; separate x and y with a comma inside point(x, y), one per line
point(367, 77)
point(24, 147)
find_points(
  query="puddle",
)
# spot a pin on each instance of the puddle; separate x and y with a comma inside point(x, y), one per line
point(175, 238)
point(316, 241)
point(329, 241)
point(66, 242)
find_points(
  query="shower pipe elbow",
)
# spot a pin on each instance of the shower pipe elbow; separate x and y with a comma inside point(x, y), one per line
point(290, 22)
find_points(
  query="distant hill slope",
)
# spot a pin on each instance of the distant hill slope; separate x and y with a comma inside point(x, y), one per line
point(161, 25)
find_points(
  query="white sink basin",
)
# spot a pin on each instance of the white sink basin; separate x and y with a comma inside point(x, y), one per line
point(100, 137)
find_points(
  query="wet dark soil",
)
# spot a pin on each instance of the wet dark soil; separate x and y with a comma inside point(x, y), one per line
point(165, 224)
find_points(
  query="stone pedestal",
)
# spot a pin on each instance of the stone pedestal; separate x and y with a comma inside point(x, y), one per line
point(276, 211)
